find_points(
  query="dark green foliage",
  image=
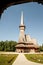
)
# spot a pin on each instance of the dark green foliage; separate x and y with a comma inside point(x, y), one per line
point(41, 48)
point(7, 45)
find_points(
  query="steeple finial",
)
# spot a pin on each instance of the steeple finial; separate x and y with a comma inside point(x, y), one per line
point(22, 20)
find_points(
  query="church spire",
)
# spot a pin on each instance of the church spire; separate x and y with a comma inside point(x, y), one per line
point(22, 20)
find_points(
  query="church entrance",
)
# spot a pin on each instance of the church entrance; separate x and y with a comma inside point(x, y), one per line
point(21, 51)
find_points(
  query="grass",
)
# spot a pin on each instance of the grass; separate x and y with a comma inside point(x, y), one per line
point(7, 59)
point(35, 57)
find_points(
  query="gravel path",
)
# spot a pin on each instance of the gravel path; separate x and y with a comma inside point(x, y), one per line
point(21, 60)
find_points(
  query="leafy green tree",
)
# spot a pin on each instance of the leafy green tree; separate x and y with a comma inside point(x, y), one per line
point(7, 45)
point(41, 48)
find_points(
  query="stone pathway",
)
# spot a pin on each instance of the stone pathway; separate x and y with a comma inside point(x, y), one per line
point(21, 60)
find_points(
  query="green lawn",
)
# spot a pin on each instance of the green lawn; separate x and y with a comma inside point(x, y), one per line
point(7, 59)
point(35, 57)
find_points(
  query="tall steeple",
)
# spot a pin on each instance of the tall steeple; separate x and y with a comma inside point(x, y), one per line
point(22, 18)
point(22, 29)
point(22, 26)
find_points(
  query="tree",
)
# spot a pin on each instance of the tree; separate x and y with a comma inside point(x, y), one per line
point(7, 45)
point(41, 48)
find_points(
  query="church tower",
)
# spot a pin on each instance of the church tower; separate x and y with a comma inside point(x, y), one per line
point(22, 29)
point(25, 43)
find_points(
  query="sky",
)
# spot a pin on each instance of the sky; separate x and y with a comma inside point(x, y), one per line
point(33, 20)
